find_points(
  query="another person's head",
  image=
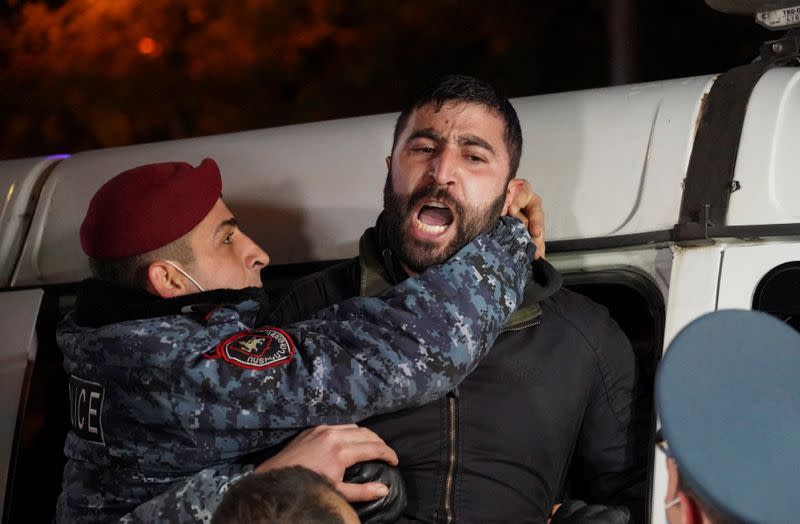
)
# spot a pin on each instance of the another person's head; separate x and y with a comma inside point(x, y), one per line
point(284, 496)
point(164, 228)
point(728, 398)
point(456, 147)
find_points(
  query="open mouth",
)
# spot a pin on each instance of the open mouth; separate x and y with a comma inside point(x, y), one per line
point(434, 217)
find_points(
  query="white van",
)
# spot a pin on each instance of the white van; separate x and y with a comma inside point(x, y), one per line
point(664, 201)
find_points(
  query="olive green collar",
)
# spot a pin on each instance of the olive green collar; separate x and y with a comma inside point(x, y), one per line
point(375, 279)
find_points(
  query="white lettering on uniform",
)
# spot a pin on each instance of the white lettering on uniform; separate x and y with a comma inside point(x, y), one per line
point(85, 408)
point(93, 396)
point(81, 400)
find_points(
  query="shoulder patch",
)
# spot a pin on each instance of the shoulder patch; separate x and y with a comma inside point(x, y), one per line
point(257, 349)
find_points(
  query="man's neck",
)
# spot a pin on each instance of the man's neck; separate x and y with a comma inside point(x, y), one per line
point(408, 270)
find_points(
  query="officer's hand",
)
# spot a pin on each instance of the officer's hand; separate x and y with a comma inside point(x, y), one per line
point(578, 512)
point(522, 203)
point(329, 450)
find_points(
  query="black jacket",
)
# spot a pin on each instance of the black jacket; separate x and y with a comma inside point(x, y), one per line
point(553, 399)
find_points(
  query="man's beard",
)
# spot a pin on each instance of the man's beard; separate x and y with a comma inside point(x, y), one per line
point(417, 255)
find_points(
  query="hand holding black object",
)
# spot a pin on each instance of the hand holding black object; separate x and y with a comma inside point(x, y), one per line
point(386, 509)
point(578, 512)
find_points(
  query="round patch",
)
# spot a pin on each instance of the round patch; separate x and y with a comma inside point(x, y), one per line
point(256, 349)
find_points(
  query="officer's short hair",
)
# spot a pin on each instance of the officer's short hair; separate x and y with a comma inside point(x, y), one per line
point(132, 271)
point(292, 495)
point(461, 88)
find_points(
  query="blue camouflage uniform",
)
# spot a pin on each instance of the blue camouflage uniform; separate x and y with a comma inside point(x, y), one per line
point(162, 388)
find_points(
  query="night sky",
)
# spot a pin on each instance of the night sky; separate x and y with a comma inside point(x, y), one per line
point(85, 74)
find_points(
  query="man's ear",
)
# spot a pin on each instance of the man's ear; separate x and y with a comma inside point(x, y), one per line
point(389, 163)
point(165, 281)
point(512, 190)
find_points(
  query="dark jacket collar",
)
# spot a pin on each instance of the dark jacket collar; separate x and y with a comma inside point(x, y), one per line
point(380, 270)
point(100, 302)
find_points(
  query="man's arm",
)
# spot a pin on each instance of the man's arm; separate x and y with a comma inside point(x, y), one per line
point(610, 463)
point(328, 450)
point(368, 355)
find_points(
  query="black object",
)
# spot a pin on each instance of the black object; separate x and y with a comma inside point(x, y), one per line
point(709, 179)
point(749, 7)
point(386, 509)
point(578, 512)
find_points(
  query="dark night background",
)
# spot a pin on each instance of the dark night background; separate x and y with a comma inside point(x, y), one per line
point(84, 74)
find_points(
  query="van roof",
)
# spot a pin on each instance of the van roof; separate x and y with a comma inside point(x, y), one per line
point(606, 161)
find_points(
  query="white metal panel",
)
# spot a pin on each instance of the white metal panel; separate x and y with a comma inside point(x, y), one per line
point(18, 312)
point(18, 183)
point(767, 163)
point(743, 267)
point(692, 293)
point(611, 161)
point(693, 286)
point(607, 162)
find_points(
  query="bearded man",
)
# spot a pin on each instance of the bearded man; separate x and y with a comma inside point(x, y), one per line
point(551, 407)
point(555, 396)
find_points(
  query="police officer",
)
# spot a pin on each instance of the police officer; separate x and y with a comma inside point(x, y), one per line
point(173, 364)
point(727, 395)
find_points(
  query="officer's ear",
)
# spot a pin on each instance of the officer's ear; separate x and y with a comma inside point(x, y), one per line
point(166, 281)
point(691, 513)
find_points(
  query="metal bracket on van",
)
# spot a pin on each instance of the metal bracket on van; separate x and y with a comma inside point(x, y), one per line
point(709, 178)
point(782, 52)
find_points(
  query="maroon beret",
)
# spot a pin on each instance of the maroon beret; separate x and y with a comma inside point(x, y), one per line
point(148, 207)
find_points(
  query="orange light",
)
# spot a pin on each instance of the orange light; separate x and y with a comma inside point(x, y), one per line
point(147, 46)
point(196, 15)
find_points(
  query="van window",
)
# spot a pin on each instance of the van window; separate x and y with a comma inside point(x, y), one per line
point(777, 293)
point(636, 304)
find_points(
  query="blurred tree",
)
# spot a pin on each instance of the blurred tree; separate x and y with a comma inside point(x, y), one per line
point(82, 74)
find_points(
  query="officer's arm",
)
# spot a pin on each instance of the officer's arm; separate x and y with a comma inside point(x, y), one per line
point(610, 462)
point(327, 450)
point(191, 500)
point(371, 355)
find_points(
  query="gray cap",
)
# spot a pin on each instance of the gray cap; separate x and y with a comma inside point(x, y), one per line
point(728, 395)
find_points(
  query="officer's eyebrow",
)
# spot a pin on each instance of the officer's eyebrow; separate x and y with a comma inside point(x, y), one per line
point(231, 222)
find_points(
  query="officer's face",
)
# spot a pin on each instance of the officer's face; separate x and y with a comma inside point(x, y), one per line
point(224, 257)
point(447, 181)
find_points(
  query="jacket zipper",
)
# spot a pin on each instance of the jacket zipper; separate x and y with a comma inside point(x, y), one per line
point(449, 482)
point(452, 423)
point(534, 322)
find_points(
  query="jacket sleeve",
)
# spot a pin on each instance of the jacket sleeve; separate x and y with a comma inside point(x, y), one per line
point(610, 461)
point(365, 355)
point(192, 500)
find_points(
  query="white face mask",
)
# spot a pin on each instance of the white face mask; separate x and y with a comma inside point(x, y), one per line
point(184, 273)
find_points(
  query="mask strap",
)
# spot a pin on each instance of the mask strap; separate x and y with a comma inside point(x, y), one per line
point(184, 273)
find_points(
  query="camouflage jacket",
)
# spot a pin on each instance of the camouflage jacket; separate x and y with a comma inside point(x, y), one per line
point(161, 389)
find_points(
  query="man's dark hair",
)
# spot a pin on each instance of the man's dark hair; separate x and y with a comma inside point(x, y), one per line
point(460, 88)
point(132, 271)
point(293, 495)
